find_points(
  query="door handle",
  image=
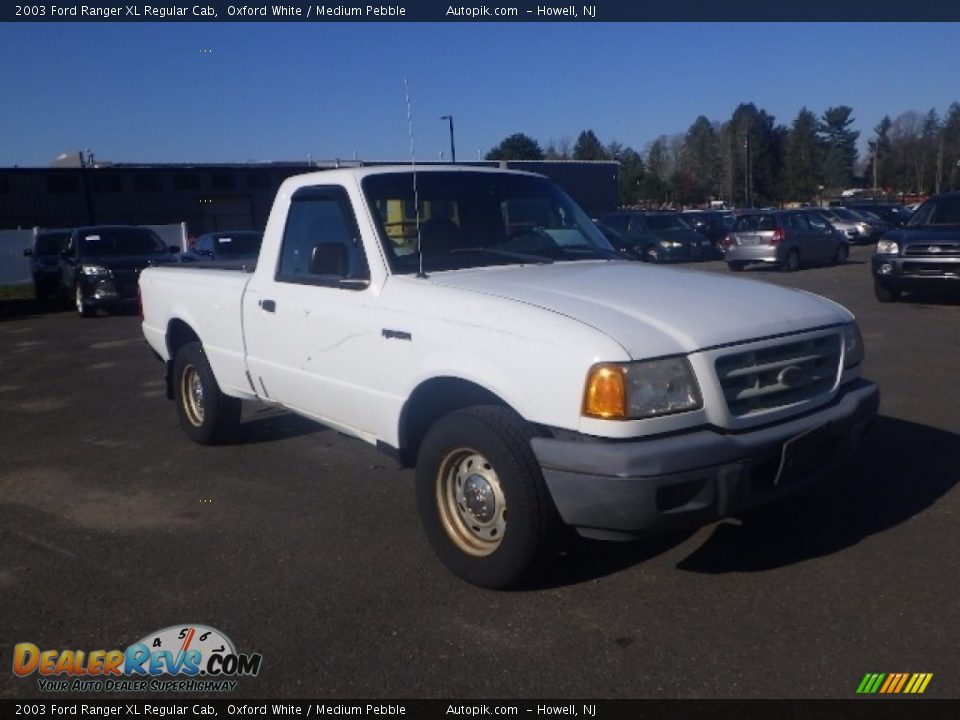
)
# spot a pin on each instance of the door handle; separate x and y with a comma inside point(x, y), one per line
point(268, 305)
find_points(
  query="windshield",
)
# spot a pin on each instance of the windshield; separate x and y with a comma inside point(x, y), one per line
point(464, 219)
point(120, 241)
point(844, 214)
point(239, 244)
point(666, 222)
point(755, 223)
point(940, 211)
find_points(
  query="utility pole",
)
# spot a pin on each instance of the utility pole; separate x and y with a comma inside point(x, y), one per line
point(453, 149)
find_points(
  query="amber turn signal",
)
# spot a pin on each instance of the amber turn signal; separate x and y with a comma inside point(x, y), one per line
point(605, 395)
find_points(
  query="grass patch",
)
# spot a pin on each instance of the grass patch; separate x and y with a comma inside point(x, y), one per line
point(16, 292)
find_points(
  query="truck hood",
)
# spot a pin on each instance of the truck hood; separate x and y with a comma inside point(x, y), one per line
point(654, 311)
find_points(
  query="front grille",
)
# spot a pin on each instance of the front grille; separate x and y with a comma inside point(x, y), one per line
point(774, 377)
point(933, 249)
point(939, 269)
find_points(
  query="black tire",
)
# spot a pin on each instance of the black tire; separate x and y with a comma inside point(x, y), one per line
point(886, 293)
point(736, 265)
point(843, 252)
point(84, 309)
point(207, 416)
point(489, 447)
point(792, 263)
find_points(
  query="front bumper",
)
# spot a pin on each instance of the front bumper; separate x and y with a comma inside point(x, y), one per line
point(916, 271)
point(607, 488)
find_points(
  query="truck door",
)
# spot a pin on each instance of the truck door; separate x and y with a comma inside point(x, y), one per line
point(309, 330)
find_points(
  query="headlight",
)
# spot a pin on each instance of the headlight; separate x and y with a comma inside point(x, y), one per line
point(887, 247)
point(670, 244)
point(94, 270)
point(630, 391)
point(852, 346)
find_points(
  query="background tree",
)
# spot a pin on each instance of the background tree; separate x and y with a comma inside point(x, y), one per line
point(701, 159)
point(905, 143)
point(632, 172)
point(588, 147)
point(803, 158)
point(950, 137)
point(516, 147)
point(752, 132)
point(931, 152)
point(840, 146)
point(880, 167)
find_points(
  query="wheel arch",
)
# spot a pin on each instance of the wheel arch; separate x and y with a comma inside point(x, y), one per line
point(179, 333)
point(431, 400)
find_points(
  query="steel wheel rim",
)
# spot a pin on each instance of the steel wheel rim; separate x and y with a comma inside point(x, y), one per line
point(191, 390)
point(471, 502)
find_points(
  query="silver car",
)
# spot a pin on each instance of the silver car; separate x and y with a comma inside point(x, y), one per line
point(786, 238)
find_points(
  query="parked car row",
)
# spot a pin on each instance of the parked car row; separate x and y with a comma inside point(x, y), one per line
point(98, 267)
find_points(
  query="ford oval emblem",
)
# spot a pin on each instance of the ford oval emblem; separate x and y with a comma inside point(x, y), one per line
point(790, 376)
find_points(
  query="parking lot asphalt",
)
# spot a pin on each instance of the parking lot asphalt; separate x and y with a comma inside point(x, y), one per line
point(304, 545)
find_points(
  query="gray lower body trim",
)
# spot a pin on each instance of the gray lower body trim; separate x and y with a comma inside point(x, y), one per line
point(693, 478)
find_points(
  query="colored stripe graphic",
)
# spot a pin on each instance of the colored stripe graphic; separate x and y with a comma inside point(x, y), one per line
point(894, 683)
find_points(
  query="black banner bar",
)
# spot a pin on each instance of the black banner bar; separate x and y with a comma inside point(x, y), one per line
point(871, 708)
point(495, 11)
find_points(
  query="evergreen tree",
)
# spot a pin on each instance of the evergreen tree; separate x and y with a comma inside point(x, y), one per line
point(840, 143)
point(588, 147)
point(516, 147)
point(803, 158)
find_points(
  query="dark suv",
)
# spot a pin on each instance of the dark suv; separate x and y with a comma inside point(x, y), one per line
point(101, 265)
point(923, 254)
point(44, 257)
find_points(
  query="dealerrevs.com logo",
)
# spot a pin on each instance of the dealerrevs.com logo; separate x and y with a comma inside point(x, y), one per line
point(185, 658)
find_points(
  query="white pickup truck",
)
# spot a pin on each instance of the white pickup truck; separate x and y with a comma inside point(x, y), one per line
point(476, 324)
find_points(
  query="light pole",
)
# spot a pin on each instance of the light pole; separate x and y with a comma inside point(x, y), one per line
point(453, 149)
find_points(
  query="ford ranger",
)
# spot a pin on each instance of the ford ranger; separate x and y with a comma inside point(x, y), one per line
point(474, 323)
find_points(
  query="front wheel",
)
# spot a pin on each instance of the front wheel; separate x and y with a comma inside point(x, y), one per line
point(481, 497)
point(207, 416)
point(885, 293)
point(843, 252)
point(84, 309)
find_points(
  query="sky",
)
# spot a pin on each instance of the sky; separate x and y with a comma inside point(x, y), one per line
point(238, 92)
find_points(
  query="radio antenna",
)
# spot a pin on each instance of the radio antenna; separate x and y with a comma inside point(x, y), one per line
point(413, 164)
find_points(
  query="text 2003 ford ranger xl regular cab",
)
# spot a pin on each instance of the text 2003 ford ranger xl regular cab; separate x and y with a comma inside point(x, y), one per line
point(474, 323)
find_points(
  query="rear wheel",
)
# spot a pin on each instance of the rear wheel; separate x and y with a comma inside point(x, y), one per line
point(792, 263)
point(207, 416)
point(481, 497)
point(886, 293)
